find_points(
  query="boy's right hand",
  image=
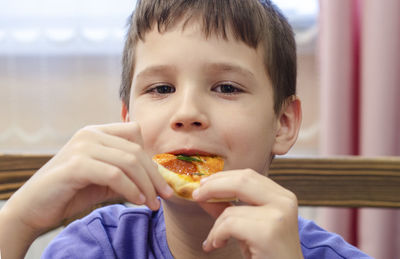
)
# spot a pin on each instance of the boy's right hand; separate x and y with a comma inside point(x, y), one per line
point(99, 163)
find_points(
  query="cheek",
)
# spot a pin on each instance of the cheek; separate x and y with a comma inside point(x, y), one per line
point(150, 123)
point(250, 142)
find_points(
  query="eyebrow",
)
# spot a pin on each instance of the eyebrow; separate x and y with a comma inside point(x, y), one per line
point(157, 69)
point(210, 67)
point(229, 67)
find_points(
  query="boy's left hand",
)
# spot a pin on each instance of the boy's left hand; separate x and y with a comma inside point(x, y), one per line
point(265, 225)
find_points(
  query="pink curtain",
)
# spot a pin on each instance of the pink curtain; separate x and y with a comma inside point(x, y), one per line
point(339, 61)
point(359, 49)
point(379, 230)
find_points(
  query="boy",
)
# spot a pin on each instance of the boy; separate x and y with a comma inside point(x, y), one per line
point(199, 77)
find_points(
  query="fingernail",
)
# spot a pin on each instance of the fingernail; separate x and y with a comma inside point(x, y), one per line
point(154, 204)
point(168, 191)
point(203, 180)
point(195, 194)
point(142, 199)
point(204, 243)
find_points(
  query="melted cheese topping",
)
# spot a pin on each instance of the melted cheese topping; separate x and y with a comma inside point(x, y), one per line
point(184, 176)
point(191, 170)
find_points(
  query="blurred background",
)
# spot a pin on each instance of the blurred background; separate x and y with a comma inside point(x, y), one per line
point(60, 70)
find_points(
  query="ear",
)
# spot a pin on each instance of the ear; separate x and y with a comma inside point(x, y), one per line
point(124, 113)
point(288, 126)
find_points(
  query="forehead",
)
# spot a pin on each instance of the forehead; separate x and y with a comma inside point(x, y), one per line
point(186, 41)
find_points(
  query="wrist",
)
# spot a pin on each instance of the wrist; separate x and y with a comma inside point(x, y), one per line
point(15, 236)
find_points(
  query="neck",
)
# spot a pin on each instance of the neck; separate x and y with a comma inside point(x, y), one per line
point(187, 226)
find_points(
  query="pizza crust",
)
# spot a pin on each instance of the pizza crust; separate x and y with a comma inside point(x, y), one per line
point(183, 185)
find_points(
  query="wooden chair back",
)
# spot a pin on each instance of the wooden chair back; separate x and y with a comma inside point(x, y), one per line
point(336, 181)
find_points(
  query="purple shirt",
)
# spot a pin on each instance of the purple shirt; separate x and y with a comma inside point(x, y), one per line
point(118, 231)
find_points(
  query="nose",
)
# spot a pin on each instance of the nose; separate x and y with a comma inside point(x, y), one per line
point(190, 114)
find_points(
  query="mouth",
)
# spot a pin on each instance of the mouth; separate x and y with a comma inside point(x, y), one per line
point(191, 152)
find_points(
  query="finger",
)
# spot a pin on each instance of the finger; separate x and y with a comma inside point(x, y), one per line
point(110, 176)
point(262, 229)
point(95, 194)
point(150, 167)
point(234, 222)
point(132, 167)
point(159, 182)
point(230, 228)
point(128, 130)
point(245, 185)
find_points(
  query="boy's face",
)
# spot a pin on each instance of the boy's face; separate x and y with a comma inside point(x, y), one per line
point(194, 95)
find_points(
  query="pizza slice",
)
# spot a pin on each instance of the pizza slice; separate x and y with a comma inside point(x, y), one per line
point(183, 173)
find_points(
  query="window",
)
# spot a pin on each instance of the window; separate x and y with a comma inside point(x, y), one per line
point(74, 27)
point(60, 66)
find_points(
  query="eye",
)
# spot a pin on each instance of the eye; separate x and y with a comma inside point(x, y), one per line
point(227, 88)
point(161, 89)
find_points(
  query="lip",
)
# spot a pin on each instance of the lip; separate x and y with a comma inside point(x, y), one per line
point(191, 152)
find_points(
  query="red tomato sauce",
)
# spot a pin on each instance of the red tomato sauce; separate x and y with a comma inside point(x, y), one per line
point(180, 166)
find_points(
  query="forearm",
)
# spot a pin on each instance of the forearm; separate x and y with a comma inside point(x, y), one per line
point(15, 237)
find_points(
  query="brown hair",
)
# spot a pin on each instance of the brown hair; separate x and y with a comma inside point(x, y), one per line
point(253, 22)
